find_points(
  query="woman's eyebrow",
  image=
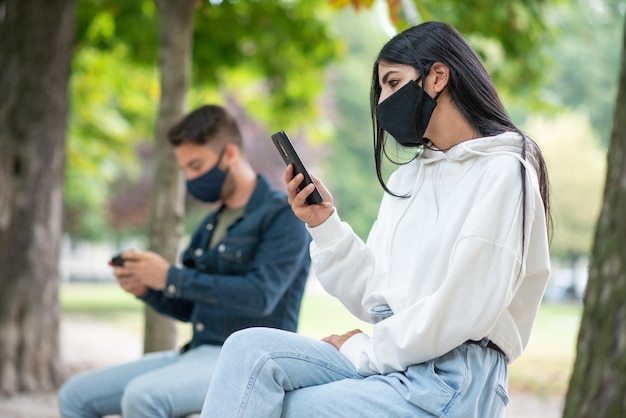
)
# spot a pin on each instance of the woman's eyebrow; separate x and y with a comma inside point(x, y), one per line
point(387, 74)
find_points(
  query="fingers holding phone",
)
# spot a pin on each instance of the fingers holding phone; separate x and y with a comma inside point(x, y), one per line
point(124, 276)
point(309, 199)
point(132, 285)
point(290, 157)
point(312, 215)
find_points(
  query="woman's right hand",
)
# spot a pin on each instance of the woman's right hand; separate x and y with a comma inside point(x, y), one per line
point(312, 215)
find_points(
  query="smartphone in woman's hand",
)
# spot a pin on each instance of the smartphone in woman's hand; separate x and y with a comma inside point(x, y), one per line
point(290, 156)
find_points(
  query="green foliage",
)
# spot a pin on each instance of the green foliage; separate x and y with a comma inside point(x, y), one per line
point(576, 167)
point(349, 170)
point(113, 103)
point(114, 90)
point(269, 55)
point(105, 24)
point(585, 59)
point(506, 34)
point(266, 55)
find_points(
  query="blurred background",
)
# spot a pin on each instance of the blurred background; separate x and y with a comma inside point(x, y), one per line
point(114, 99)
point(305, 67)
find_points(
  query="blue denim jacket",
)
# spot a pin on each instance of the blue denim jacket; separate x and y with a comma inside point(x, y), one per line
point(254, 276)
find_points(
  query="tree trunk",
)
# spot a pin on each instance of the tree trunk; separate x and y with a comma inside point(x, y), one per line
point(175, 42)
point(598, 382)
point(35, 53)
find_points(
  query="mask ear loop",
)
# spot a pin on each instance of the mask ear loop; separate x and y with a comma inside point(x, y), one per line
point(220, 157)
point(419, 78)
point(428, 143)
point(418, 110)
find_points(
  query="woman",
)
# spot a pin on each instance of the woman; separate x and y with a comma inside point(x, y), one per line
point(453, 271)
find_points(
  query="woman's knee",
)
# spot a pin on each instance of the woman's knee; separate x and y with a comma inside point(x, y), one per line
point(257, 339)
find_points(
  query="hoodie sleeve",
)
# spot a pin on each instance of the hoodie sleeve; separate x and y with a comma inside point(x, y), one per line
point(338, 256)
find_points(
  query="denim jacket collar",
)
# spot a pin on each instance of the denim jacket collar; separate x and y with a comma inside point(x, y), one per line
point(259, 195)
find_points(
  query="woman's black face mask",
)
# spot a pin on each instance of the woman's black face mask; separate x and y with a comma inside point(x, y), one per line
point(397, 113)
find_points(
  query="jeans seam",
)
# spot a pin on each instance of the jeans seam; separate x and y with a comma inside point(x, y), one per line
point(501, 392)
point(283, 354)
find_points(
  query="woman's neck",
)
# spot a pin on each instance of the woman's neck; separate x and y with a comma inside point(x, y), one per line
point(448, 127)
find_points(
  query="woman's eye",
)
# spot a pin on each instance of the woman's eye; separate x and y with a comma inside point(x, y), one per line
point(393, 83)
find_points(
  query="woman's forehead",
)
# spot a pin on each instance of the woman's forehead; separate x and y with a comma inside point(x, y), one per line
point(385, 69)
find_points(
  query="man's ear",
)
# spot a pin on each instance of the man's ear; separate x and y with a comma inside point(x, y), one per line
point(441, 73)
point(231, 153)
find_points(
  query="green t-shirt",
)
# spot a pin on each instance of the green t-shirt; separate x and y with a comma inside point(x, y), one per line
point(224, 219)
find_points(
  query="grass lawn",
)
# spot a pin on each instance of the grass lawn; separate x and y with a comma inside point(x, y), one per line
point(544, 368)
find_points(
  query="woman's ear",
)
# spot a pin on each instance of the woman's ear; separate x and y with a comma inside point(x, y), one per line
point(441, 74)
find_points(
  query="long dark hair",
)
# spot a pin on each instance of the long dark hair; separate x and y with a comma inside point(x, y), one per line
point(471, 89)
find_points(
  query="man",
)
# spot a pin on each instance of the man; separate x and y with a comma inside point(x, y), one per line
point(246, 265)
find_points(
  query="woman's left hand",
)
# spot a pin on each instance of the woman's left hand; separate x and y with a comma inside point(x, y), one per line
point(338, 340)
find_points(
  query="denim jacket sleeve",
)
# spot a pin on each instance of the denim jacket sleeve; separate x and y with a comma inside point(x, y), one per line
point(178, 309)
point(249, 274)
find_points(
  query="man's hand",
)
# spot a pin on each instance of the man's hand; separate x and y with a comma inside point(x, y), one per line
point(129, 284)
point(338, 340)
point(127, 281)
point(149, 268)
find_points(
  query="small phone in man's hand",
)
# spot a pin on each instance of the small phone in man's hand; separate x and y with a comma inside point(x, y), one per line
point(117, 260)
point(290, 156)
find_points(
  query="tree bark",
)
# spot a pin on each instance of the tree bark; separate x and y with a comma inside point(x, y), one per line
point(175, 55)
point(598, 382)
point(35, 54)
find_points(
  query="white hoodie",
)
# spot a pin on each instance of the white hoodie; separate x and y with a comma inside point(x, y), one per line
point(447, 260)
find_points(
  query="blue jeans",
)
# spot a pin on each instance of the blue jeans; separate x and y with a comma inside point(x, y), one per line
point(265, 373)
point(162, 384)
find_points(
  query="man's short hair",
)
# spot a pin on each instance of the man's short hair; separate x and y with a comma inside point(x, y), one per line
point(209, 124)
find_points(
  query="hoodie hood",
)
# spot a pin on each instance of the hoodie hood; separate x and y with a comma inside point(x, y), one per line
point(505, 143)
